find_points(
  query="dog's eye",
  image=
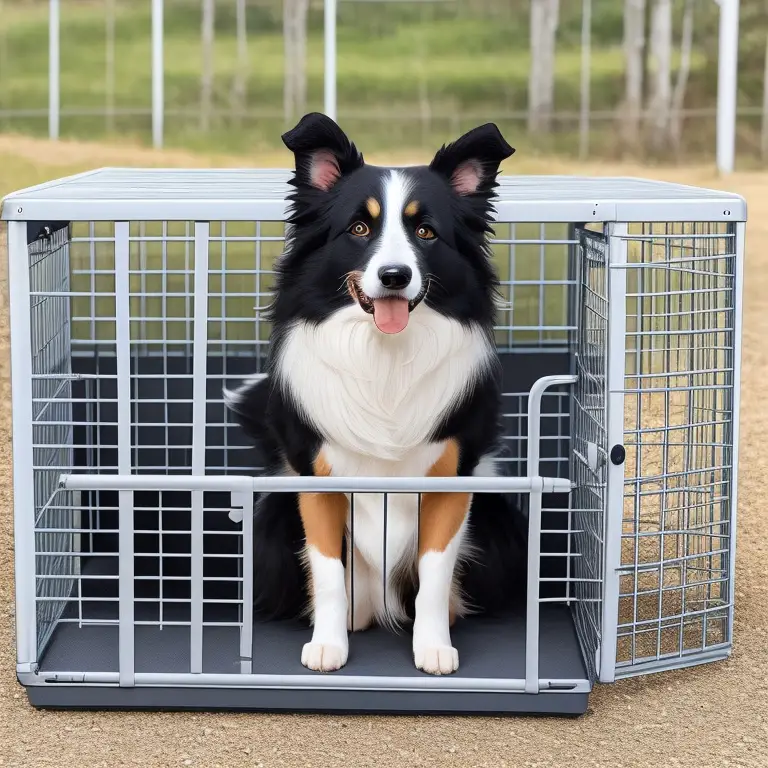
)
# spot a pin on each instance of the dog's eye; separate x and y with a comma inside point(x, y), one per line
point(425, 233)
point(360, 229)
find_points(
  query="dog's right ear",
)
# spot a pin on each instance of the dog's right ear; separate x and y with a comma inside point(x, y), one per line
point(322, 150)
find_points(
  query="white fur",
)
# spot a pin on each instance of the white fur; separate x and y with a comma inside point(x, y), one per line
point(376, 399)
point(432, 648)
point(394, 247)
point(380, 395)
point(329, 647)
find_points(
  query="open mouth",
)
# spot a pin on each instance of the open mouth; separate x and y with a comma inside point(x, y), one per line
point(390, 314)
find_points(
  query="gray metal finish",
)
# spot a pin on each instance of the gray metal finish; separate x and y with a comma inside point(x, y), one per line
point(246, 195)
point(489, 648)
point(136, 296)
point(309, 700)
point(676, 561)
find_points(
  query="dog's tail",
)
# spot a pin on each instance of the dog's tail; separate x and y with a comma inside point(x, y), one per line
point(494, 575)
point(279, 582)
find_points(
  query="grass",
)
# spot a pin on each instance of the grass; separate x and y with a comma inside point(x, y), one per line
point(407, 76)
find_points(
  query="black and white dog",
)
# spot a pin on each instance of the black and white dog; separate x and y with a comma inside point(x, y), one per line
point(382, 363)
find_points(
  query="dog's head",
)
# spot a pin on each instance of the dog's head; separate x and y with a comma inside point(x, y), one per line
point(388, 239)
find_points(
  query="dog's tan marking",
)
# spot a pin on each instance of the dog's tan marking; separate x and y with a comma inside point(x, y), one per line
point(323, 515)
point(373, 207)
point(442, 513)
point(412, 208)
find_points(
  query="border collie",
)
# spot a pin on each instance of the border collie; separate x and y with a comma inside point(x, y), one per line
point(382, 363)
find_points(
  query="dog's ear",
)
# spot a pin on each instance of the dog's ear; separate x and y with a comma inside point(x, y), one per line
point(471, 163)
point(322, 150)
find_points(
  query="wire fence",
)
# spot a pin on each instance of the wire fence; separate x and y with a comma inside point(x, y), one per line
point(410, 73)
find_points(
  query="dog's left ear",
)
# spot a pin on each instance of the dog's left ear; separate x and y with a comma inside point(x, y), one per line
point(322, 150)
point(471, 163)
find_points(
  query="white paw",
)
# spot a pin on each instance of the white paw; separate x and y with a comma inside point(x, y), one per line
point(323, 657)
point(436, 660)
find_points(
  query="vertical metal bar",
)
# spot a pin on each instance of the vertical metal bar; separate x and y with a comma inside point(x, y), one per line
point(199, 373)
point(53, 69)
point(586, 54)
point(246, 631)
point(727, 71)
point(615, 367)
point(23, 474)
point(534, 529)
point(329, 81)
point(532, 601)
point(110, 65)
point(157, 74)
point(125, 503)
point(739, 233)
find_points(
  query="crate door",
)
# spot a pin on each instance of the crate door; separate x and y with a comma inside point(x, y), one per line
point(671, 407)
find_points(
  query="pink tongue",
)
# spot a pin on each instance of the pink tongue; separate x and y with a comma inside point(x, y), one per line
point(390, 315)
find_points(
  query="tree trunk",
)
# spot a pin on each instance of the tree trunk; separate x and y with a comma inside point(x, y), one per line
point(239, 84)
point(586, 61)
point(678, 97)
point(206, 80)
point(295, 42)
point(541, 80)
point(634, 45)
point(661, 82)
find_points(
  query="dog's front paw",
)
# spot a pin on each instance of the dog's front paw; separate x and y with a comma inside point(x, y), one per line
point(436, 659)
point(323, 657)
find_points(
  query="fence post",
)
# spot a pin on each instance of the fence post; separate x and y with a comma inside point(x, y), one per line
point(53, 70)
point(157, 74)
point(330, 58)
point(727, 69)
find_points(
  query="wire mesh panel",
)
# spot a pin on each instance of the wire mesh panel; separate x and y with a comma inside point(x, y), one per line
point(678, 431)
point(52, 423)
point(589, 445)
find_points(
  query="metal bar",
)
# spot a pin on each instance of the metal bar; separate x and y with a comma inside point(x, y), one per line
point(54, 68)
point(82, 482)
point(738, 302)
point(326, 682)
point(329, 75)
point(157, 74)
point(534, 417)
point(727, 70)
point(534, 529)
point(199, 370)
point(23, 475)
point(246, 630)
point(125, 514)
point(615, 367)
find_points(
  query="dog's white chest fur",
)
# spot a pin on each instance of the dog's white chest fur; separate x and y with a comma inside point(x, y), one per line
point(376, 400)
point(375, 395)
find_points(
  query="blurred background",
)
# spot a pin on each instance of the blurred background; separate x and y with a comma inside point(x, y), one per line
point(612, 79)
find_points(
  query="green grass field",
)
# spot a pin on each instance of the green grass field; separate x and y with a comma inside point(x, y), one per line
point(409, 74)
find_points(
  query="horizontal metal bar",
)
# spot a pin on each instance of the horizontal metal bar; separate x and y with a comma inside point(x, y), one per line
point(313, 484)
point(325, 682)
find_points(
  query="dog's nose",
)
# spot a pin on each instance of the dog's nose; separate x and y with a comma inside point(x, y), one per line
point(396, 276)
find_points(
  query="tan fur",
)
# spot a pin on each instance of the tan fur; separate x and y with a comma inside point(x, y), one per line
point(442, 513)
point(412, 208)
point(374, 208)
point(323, 515)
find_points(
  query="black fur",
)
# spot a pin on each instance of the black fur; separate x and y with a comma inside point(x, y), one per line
point(310, 286)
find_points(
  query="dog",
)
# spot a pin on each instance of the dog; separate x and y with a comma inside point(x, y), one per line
point(382, 363)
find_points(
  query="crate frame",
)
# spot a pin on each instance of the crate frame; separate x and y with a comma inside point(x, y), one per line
point(124, 195)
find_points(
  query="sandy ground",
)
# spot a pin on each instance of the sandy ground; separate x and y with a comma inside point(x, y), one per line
point(716, 715)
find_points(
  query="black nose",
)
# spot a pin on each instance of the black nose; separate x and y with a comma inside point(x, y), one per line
point(395, 277)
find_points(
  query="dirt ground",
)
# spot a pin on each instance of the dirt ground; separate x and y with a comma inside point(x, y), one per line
point(715, 715)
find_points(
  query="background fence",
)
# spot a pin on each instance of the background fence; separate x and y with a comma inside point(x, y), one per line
point(612, 78)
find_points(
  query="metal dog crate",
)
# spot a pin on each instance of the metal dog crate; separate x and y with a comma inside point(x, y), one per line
point(136, 297)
